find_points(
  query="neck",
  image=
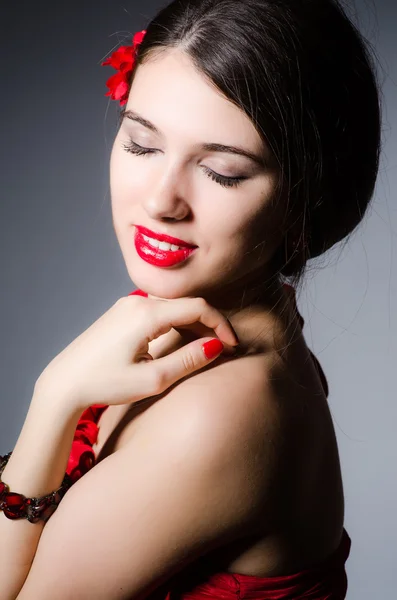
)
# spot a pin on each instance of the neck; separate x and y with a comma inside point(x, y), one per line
point(231, 300)
point(246, 300)
point(254, 311)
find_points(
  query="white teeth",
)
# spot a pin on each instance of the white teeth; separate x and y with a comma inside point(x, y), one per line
point(161, 245)
point(165, 246)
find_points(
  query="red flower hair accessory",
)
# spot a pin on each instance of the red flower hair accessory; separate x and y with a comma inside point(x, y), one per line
point(123, 60)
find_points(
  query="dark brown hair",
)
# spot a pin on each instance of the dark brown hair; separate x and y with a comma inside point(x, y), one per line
point(305, 76)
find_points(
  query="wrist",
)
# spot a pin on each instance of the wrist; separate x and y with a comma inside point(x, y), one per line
point(39, 459)
point(59, 403)
point(17, 506)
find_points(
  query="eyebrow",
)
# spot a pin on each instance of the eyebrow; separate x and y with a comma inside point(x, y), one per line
point(209, 146)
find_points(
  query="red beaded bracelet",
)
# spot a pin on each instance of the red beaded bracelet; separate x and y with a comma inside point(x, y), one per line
point(17, 506)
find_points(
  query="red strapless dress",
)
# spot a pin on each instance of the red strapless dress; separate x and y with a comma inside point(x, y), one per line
point(324, 581)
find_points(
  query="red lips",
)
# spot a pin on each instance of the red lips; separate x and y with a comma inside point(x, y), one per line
point(162, 237)
point(157, 256)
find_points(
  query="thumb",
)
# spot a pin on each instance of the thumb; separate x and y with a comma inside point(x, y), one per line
point(186, 360)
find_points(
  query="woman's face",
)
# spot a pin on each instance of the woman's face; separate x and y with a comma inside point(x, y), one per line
point(182, 187)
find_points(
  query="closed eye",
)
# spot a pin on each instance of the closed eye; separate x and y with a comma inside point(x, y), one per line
point(138, 150)
point(224, 181)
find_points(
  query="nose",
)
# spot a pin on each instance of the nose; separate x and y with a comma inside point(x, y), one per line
point(166, 199)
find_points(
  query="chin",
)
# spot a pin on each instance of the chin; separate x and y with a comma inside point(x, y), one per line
point(160, 287)
point(171, 283)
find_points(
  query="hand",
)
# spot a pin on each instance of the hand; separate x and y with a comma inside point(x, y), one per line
point(109, 363)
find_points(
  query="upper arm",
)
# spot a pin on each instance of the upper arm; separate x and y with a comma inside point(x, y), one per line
point(180, 488)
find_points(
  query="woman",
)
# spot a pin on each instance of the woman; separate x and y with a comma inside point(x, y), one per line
point(248, 144)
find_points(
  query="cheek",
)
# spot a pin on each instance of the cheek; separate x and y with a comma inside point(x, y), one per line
point(256, 231)
point(244, 226)
point(123, 182)
point(228, 235)
point(237, 224)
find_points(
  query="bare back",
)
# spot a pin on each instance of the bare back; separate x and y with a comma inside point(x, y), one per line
point(307, 505)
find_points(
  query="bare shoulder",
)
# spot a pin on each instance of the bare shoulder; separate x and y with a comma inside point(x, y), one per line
point(230, 392)
point(255, 413)
point(225, 416)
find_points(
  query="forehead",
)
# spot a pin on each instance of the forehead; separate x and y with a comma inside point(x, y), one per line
point(169, 91)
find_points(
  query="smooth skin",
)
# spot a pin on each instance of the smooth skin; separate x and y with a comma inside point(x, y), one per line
point(110, 362)
point(237, 461)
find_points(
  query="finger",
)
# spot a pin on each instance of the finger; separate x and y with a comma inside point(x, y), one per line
point(192, 332)
point(157, 376)
point(187, 311)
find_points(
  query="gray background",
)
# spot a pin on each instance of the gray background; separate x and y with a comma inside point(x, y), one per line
point(61, 267)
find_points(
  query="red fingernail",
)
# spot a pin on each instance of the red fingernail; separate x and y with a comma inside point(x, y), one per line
point(212, 348)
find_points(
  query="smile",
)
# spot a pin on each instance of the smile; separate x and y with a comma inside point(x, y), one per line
point(160, 253)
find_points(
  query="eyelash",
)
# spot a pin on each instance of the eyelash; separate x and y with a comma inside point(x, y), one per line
point(227, 182)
